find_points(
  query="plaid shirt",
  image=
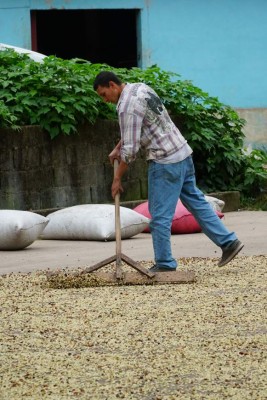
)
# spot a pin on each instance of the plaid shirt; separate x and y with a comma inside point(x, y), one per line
point(144, 122)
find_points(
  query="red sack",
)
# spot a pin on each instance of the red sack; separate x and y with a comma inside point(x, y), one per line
point(183, 221)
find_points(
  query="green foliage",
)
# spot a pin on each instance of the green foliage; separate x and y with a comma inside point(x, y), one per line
point(8, 120)
point(58, 95)
point(258, 203)
point(255, 173)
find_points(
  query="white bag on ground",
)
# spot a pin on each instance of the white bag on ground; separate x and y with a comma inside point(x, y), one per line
point(216, 204)
point(93, 222)
point(19, 229)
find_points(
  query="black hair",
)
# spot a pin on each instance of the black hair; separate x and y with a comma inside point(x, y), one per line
point(104, 77)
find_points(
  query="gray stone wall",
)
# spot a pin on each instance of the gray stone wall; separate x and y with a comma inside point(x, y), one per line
point(38, 173)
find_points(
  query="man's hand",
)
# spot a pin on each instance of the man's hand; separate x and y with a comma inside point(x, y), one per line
point(116, 187)
point(115, 154)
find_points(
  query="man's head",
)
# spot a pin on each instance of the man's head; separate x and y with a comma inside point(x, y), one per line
point(108, 86)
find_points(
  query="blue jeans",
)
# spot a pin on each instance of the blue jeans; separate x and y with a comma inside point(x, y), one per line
point(166, 184)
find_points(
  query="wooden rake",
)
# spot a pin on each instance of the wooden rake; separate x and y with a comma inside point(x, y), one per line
point(119, 256)
point(142, 275)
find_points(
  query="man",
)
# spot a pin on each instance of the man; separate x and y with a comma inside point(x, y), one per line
point(144, 122)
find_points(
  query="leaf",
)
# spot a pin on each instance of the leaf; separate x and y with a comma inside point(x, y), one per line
point(67, 128)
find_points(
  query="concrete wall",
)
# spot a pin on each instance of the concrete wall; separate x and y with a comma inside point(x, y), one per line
point(38, 173)
point(43, 175)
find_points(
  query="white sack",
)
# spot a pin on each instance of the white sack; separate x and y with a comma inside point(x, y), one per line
point(216, 204)
point(38, 57)
point(19, 229)
point(93, 222)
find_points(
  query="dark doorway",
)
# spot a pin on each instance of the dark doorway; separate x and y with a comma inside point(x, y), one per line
point(99, 36)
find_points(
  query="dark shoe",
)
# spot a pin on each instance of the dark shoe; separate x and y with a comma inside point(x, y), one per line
point(156, 268)
point(230, 252)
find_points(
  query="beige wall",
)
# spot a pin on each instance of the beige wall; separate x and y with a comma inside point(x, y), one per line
point(256, 126)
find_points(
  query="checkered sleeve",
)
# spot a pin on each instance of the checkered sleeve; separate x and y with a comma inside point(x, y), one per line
point(130, 125)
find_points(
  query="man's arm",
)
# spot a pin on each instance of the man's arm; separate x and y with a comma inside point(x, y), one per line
point(116, 185)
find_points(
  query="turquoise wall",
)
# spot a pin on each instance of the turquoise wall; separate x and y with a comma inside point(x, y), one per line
point(15, 24)
point(218, 44)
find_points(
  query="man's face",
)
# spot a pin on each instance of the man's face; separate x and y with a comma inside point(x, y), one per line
point(109, 94)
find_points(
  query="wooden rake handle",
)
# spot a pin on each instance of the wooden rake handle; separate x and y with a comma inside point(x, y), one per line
point(117, 219)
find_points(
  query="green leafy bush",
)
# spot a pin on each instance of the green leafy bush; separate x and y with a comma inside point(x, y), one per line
point(58, 95)
point(8, 120)
point(255, 172)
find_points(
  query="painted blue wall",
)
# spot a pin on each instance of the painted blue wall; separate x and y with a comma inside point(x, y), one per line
point(218, 44)
point(15, 26)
